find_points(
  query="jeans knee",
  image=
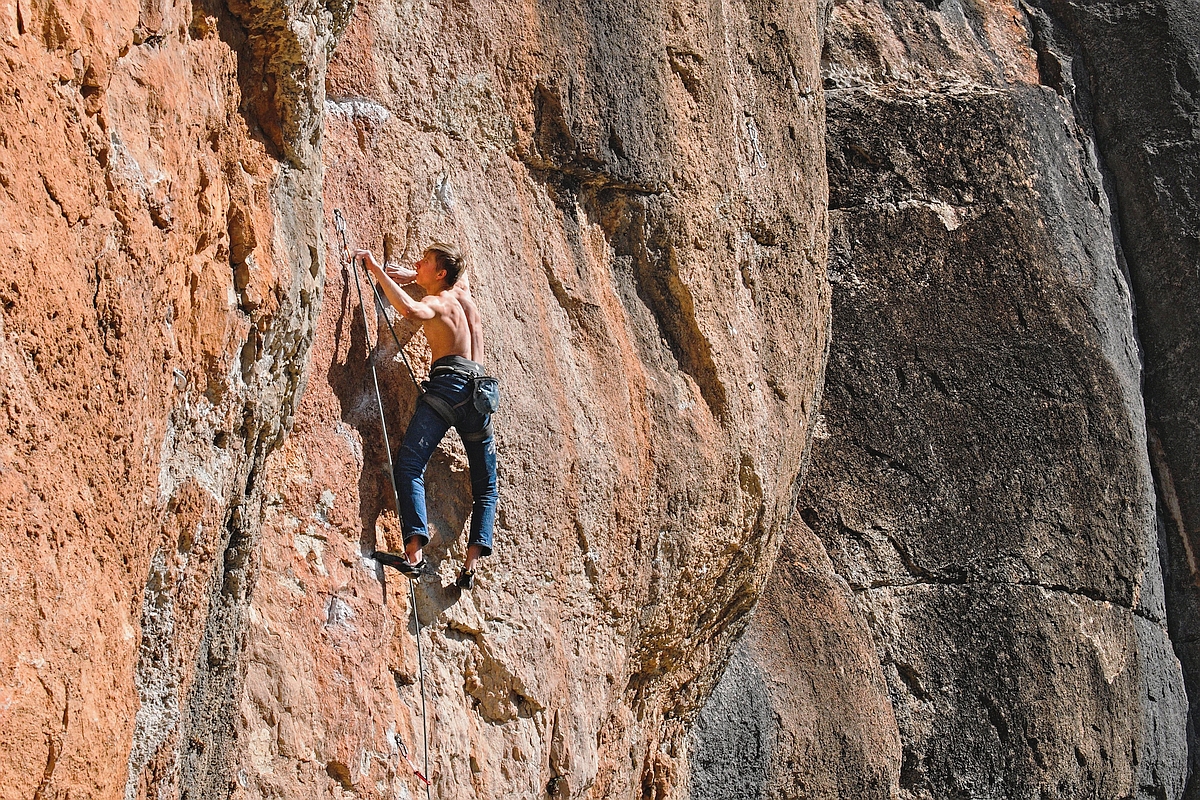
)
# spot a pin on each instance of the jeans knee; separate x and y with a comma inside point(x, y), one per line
point(409, 467)
point(486, 487)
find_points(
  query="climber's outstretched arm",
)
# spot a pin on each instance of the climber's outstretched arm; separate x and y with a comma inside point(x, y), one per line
point(413, 309)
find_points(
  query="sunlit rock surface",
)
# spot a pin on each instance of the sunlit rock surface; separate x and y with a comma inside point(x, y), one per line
point(642, 208)
point(641, 194)
point(162, 274)
point(969, 596)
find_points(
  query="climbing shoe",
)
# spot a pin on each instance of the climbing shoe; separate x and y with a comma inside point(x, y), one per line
point(466, 581)
point(401, 564)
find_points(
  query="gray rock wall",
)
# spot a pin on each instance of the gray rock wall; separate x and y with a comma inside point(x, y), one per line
point(984, 493)
point(803, 709)
point(1149, 140)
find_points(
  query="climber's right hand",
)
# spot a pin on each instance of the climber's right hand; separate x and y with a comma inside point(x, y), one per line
point(367, 259)
point(399, 272)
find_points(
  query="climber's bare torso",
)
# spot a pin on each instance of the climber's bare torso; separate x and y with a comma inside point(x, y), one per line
point(447, 313)
point(447, 331)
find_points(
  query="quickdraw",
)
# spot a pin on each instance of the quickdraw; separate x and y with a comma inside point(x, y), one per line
point(404, 753)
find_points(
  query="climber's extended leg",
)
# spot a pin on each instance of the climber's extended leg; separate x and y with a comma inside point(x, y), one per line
point(424, 432)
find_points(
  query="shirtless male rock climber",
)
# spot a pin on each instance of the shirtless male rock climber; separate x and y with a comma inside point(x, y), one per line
point(451, 323)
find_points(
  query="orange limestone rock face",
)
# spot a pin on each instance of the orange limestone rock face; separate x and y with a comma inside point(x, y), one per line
point(160, 267)
point(640, 193)
point(190, 609)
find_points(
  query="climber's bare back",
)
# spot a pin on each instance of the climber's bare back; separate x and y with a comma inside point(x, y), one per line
point(449, 330)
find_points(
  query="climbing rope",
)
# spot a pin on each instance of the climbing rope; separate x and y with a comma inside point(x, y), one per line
point(340, 223)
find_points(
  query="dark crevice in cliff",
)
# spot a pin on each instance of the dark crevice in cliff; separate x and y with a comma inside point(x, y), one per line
point(282, 90)
point(235, 34)
point(207, 746)
point(963, 583)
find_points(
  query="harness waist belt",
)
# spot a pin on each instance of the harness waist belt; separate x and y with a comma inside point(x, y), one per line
point(456, 364)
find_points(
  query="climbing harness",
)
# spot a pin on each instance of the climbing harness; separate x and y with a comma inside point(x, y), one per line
point(340, 223)
point(484, 395)
point(449, 413)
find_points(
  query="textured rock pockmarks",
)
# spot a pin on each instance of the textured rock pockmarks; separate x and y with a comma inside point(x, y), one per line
point(162, 276)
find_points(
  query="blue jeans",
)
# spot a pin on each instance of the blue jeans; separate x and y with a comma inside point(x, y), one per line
point(424, 432)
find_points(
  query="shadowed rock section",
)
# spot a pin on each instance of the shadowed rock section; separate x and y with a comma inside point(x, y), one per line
point(982, 489)
point(1149, 141)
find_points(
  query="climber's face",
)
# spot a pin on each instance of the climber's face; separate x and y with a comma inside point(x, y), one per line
point(429, 275)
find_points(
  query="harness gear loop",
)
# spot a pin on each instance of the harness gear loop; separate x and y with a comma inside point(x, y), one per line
point(340, 224)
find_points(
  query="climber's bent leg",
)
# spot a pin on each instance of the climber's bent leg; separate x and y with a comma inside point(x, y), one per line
point(485, 494)
point(424, 432)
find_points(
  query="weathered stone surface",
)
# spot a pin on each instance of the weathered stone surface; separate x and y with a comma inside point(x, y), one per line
point(652, 288)
point(198, 619)
point(984, 490)
point(160, 281)
point(1149, 141)
point(802, 710)
point(969, 601)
